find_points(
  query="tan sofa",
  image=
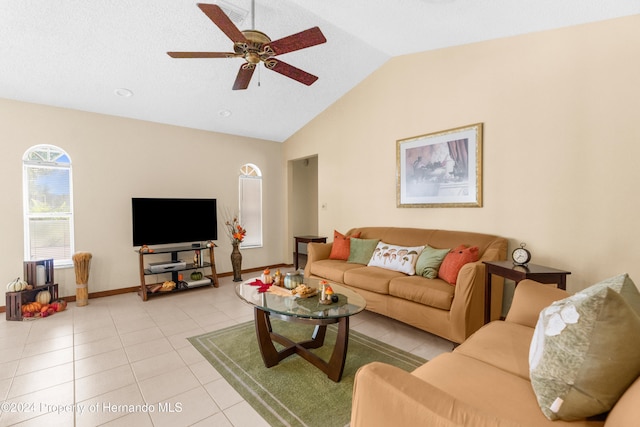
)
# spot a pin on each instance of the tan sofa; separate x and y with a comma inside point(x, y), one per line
point(483, 382)
point(452, 312)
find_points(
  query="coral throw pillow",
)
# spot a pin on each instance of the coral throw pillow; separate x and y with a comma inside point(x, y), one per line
point(454, 261)
point(341, 245)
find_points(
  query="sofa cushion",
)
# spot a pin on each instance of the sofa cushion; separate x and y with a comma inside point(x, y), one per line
point(331, 269)
point(374, 279)
point(454, 261)
point(585, 352)
point(361, 250)
point(432, 292)
point(429, 261)
point(481, 385)
point(341, 247)
point(501, 344)
point(385, 395)
point(394, 257)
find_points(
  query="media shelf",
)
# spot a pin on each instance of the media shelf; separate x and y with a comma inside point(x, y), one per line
point(146, 289)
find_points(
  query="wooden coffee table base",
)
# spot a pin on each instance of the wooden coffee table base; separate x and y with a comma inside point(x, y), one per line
point(271, 356)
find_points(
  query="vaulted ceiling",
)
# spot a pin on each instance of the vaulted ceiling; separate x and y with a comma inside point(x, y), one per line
point(110, 57)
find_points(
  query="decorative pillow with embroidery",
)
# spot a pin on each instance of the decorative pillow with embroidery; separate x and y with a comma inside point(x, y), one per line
point(585, 351)
point(454, 261)
point(397, 258)
point(341, 245)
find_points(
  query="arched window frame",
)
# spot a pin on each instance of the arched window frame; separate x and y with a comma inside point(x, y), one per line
point(57, 241)
point(250, 200)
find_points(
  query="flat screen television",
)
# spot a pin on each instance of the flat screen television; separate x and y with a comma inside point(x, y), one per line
point(163, 221)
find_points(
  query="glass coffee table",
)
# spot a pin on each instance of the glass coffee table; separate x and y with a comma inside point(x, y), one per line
point(306, 311)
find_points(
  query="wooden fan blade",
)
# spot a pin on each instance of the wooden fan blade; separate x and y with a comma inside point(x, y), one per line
point(307, 38)
point(291, 71)
point(202, 54)
point(223, 22)
point(244, 76)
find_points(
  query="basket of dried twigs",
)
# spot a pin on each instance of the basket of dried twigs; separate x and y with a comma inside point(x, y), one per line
point(82, 263)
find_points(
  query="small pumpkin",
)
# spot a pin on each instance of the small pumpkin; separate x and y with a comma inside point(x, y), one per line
point(32, 307)
point(196, 275)
point(60, 304)
point(43, 297)
point(17, 285)
point(266, 277)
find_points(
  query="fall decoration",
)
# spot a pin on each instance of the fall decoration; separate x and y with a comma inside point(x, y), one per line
point(81, 262)
point(59, 305)
point(235, 230)
point(266, 277)
point(43, 297)
point(17, 285)
point(168, 285)
point(236, 233)
point(32, 307)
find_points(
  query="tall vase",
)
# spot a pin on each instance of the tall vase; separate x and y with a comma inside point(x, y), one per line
point(236, 263)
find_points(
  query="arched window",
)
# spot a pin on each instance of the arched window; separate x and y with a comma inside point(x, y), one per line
point(48, 204)
point(250, 192)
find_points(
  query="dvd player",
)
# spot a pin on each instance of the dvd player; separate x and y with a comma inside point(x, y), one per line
point(196, 283)
point(162, 267)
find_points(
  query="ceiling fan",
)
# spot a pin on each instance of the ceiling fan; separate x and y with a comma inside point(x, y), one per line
point(255, 47)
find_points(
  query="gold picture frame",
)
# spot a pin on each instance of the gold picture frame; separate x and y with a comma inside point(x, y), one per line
point(441, 169)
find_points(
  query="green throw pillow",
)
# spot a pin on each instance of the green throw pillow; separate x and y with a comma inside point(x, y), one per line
point(585, 351)
point(361, 250)
point(429, 261)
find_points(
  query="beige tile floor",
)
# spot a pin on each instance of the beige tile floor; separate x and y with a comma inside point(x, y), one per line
point(119, 362)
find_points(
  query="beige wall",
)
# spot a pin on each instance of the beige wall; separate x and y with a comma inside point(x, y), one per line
point(561, 143)
point(115, 159)
point(304, 201)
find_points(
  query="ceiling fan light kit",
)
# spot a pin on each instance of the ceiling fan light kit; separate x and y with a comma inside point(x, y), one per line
point(255, 46)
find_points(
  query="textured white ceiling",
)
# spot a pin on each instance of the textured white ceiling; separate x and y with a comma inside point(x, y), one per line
point(76, 53)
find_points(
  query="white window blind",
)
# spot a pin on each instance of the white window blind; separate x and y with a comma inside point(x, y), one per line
point(48, 204)
point(250, 186)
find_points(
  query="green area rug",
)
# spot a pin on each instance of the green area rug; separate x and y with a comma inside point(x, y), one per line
point(294, 392)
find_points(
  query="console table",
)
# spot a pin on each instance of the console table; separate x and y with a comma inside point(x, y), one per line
point(517, 273)
point(305, 239)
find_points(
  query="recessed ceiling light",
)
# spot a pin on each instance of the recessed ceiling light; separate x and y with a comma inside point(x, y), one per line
point(224, 113)
point(123, 92)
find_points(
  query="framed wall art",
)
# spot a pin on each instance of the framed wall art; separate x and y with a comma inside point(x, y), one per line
point(441, 169)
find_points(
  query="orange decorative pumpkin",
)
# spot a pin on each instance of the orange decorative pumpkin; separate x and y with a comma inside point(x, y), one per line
point(60, 304)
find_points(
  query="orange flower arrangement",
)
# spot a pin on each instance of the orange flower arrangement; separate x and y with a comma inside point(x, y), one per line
point(235, 230)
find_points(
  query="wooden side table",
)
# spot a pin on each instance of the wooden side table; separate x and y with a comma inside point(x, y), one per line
point(305, 239)
point(517, 273)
